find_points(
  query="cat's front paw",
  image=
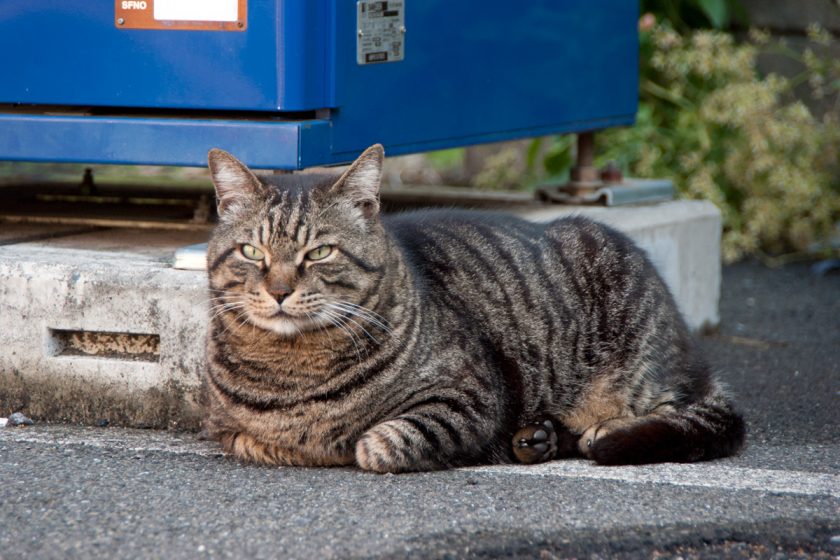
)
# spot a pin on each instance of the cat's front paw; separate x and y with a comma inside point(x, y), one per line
point(394, 447)
point(376, 452)
point(535, 443)
point(370, 454)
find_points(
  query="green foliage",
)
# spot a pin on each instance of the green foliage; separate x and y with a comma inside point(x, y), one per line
point(558, 157)
point(499, 171)
point(446, 159)
point(724, 133)
point(693, 14)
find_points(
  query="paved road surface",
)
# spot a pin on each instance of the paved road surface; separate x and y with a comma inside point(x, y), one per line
point(111, 493)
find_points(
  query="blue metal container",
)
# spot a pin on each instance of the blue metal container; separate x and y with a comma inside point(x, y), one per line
point(296, 83)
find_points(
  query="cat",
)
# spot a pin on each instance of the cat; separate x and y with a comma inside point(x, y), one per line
point(440, 338)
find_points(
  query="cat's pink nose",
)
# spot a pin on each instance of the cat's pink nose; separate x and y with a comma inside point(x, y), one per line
point(279, 291)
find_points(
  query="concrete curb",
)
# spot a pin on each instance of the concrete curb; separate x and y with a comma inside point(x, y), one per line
point(46, 292)
point(95, 332)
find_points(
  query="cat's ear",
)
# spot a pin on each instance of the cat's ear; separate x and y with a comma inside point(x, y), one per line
point(361, 182)
point(235, 183)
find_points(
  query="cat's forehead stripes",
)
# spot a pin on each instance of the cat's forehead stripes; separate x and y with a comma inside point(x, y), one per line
point(294, 216)
point(299, 216)
point(264, 233)
point(289, 216)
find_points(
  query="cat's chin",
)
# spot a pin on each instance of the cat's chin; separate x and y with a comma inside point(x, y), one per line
point(286, 326)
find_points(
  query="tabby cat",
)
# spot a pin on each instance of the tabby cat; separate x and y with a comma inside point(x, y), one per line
point(436, 339)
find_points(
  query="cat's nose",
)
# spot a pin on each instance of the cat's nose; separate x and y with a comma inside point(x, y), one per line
point(279, 291)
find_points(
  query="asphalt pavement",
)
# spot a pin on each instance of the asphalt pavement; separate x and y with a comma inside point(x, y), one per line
point(72, 492)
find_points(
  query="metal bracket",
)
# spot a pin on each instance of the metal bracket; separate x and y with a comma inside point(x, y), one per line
point(589, 185)
point(629, 191)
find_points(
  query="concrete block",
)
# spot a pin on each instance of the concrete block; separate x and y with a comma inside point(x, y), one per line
point(47, 292)
point(99, 325)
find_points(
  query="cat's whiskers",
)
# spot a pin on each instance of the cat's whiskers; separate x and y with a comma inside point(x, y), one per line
point(235, 321)
point(315, 302)
point(363, 308)
point(224, 301)
point(224, 297)
point(317, 324)
point(350, 319)
point(340, 327)
point(341, 322)
point(321, 326)
point(219, 304)
point(220, 309)
point(363, 313)
point(348, 310)
point(337, 321)
point(297, 328)
point(224, 304)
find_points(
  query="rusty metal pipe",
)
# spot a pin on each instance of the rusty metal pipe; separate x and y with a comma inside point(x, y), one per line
point(583, 175)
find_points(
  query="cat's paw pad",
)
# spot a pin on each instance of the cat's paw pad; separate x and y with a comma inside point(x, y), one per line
point(535, 443)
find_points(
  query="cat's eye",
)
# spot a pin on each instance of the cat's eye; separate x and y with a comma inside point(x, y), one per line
point(251, 252)
point(319, 253)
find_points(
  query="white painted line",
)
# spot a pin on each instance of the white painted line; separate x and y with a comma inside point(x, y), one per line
point(113, 438)
point(707, 475)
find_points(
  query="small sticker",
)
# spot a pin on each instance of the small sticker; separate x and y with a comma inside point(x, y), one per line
point(380, 33)
point(172, 15)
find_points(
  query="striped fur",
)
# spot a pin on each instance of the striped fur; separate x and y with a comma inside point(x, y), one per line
point(426, 340)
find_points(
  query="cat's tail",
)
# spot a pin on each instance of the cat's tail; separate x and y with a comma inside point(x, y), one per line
point(700, 431)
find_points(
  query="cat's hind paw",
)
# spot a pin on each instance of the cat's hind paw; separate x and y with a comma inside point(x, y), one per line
point(590, 438)
point(535, 443)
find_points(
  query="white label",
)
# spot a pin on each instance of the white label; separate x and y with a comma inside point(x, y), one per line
point(380, 33)
point(196, 10)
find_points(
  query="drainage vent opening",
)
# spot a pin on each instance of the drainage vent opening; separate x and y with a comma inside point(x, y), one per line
point(111, 345)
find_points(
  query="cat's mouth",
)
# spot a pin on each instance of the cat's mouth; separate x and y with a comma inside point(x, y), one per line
point(282, 321)
point(280, 312)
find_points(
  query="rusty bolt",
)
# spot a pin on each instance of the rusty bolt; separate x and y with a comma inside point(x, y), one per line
point(611, 173)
